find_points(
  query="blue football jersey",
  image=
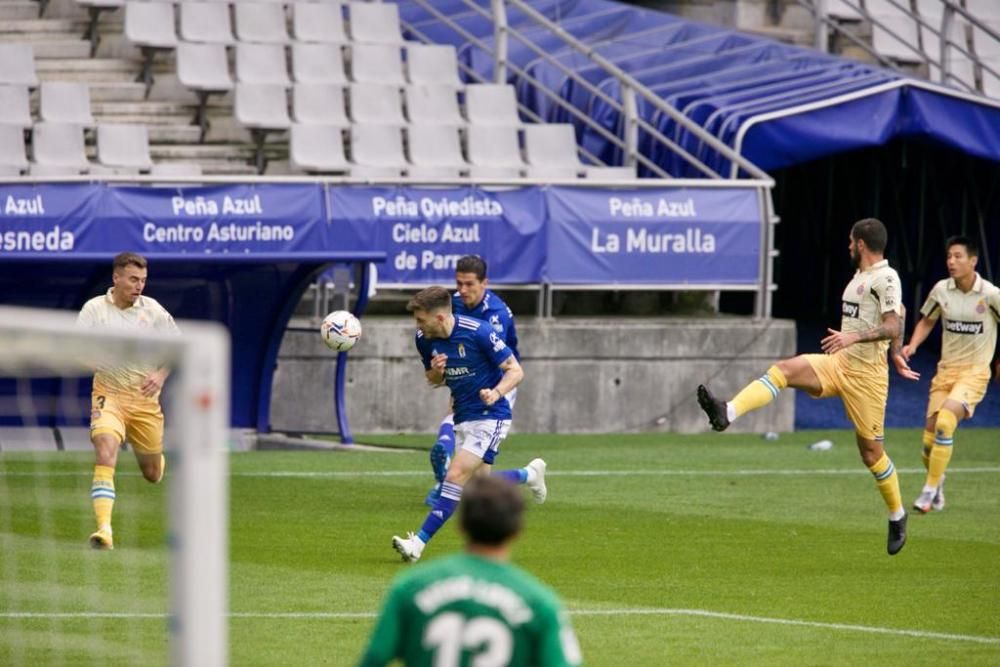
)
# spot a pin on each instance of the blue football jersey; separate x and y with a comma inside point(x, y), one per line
point(494, 312)
point(475, 352)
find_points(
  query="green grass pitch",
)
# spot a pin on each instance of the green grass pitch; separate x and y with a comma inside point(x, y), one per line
point(711, 549)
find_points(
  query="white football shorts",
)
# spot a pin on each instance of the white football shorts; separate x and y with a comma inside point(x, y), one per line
point(482, 437)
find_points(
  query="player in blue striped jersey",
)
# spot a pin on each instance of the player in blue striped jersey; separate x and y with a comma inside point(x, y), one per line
point(479, 369)
point(474, 299)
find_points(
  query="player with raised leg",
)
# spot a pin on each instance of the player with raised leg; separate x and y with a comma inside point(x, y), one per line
point(472, 298)
point(479, 370)
point(853, 367)
point(969, 308)
point(125, 400)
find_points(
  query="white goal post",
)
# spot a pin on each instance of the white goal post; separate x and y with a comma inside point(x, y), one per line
point(33, 341)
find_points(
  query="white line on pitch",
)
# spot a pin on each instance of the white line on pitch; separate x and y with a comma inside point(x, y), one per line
point(860, 470)
point(703, 613)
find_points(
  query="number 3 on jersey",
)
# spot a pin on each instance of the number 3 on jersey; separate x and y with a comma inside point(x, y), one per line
point(449, 634)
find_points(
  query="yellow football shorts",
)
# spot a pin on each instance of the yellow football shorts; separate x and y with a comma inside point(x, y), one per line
point(863, 392)
point(130, 417)
point(962, 384)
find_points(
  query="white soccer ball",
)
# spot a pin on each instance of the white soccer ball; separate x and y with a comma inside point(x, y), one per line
point(340, 330)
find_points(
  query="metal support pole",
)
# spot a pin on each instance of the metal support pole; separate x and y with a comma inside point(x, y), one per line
point(631, 130)
point(500, 41)
point(822, 32)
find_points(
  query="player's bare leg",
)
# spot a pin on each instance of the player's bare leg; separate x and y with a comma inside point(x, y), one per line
point(878, 462)
point(795, 372)
point(152, 466)
point(102, 492)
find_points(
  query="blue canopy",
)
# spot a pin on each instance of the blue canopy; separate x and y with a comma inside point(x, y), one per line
point(777, 104)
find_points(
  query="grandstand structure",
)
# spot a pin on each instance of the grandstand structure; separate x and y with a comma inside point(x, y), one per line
point(433, 90)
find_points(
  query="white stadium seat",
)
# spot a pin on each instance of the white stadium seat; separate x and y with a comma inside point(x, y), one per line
point(317, 149)
point(319, 104)
point(433, 105)
point(65, 102)
point(491, 104)
point(123, 146)
point(58, 148)
point(435, 152)
point(318, 63)
point(377, 152)
point(432, 64)
point(494, 152)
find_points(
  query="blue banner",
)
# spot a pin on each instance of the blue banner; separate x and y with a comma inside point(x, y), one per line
point(665, 236)
point(425, 231)
point(562, 235)
point(94, 218)
point(48, 219)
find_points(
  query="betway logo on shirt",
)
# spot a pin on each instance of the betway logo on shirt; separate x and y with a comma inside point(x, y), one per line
point(850, 309)
point(955, 326)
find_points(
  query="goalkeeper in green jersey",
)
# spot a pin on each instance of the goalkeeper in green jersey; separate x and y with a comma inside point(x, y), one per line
point(475, 607)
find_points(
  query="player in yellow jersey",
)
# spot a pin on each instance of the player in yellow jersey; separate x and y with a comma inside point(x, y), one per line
point(853, 367)
point(125, 402)
point(969, 309)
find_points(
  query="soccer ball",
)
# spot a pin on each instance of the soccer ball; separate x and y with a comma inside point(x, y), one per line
point(340, 330)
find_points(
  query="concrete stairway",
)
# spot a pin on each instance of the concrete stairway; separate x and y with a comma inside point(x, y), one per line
point(62, 54)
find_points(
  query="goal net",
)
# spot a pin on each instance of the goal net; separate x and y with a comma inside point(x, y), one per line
point(159, 596)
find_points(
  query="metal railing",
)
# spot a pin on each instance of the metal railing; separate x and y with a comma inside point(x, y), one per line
point(631, 89)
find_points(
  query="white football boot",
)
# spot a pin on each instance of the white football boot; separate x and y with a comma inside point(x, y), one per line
point(537, 485)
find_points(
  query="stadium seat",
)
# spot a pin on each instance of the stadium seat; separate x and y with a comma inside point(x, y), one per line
point(94, 9)
point(317, 149)
point(261, 108)
point(123, 146)
point(377, 152)
point(259, 22)
point(435, 152)
point(550, 151)
point(432, 64)
point(150, 26)
point(262, 63)
point(12, 156)
point(318, 63)
point(433, 105)
point(610, 173)
point(15, 107)
point(205, 22)
point(894, 31)
point(318, 22)
point(372, 104)
point(176, 170)
point(376, 63)
point(65, 102)
point(58, 148)
point(204, 69)
point(988, 51)
point(491, 104)
point(17, 64)
point(844, 10)
point(374, 23)
point(494, 152)
point(319, 104)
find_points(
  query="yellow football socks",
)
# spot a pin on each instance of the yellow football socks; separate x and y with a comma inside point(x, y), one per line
point(941, 453)
point(928, 446)
point(163, 468)
point(102, 494)
point(760, 392)
point(888, 483)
